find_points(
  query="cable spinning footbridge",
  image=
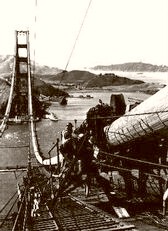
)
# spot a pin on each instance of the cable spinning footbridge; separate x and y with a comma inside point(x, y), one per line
point(20, 107)
point(40, 185)
point(136, 140)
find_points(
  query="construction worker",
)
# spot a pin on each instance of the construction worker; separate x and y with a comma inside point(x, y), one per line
point(67, 132)
point(89, 166)
point(36, 202)
point(68, 150)
point(68, 145)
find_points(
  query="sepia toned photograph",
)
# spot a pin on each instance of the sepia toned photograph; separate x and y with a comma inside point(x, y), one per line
point(84, 115)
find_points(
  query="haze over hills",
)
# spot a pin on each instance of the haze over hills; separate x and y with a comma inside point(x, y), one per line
point(6, 66)
point(132, 66)
point(48, 80)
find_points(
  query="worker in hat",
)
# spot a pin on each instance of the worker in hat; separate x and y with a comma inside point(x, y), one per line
point(68, 146)
point(70, 125)
point(67, 132)
point(69, 128)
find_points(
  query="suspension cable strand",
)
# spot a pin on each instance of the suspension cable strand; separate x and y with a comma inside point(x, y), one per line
point(35, 39)
point(9, 212)
point(34, 140)
point(73, 48)
point(8, 202)
point(9, 103)
point(30, 109)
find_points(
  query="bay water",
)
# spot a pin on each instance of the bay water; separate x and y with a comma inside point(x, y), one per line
point(14, 144)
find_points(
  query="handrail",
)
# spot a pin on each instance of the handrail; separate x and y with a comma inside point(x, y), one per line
point(19, 212)
point(144, 162)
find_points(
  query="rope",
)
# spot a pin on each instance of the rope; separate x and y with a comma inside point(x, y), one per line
point(73, 48)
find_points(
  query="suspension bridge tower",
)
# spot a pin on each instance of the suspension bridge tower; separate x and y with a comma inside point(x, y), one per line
point(21, 74)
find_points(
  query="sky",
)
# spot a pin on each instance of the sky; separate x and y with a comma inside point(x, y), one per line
point(113, 31)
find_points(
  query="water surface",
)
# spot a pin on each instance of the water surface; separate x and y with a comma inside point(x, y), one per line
point(14, 145)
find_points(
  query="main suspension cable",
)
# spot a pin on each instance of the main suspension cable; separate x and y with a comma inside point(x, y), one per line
point(73, 48)
point(35, 39)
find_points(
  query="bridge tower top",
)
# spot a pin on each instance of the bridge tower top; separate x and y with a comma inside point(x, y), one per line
point(21, 56)
point(22, 70)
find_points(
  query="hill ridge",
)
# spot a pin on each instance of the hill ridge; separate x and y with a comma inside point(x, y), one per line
point(132, 66)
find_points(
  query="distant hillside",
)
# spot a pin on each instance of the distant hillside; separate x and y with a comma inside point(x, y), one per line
point(47, 77)
point(132, 66)
point(6, 64)
point(87, 79)
point(4, 91)
point(46, 89)
point(75, 77)
point(6, 67)
point(40, 87)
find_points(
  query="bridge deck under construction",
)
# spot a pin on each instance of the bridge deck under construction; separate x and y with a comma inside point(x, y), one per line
point(44, 221)
point(73, 214)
